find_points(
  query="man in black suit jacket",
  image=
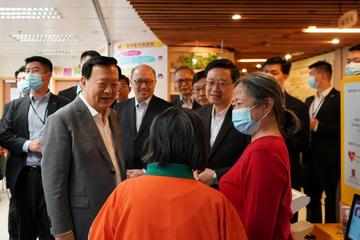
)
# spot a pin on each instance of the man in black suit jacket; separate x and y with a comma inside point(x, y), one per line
point(299, 143)
point(136, 115)
point(321, 165)
point(227, 144)
point(22, 128)
point(72, 92)
point(183, 77)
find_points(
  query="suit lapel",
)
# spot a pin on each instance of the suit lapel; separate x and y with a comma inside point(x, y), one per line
point(52, 105)
point(132, 116)
point(92, 131)
point(225, 128)
point(116, 137)
point(24, 115)
point(327, 101)
point(148, 117)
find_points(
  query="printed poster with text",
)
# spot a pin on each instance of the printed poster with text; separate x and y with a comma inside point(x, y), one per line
point(351, 126)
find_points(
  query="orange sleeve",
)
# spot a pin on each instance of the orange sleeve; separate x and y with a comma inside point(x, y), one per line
point(103, 227)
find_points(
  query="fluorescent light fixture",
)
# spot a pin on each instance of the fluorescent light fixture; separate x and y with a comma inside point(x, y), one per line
point(60, 52)
point(45, 37)
point(314, 29)
point(258, 65)
point(335, 41)
point(244, 70)
point(288, 56)
point(236, 17)
point(250, 60)
point(29, 13)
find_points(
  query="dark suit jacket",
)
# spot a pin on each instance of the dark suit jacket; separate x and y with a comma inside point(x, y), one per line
point(134, 141)
point(299, 143)
point(69, 93)
point(77, 172)
point(325, 142)
point(177, 102)
point(16, 132)
point(229, 143)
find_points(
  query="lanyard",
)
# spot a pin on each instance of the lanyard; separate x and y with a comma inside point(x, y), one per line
point(42, 120)
point(316, 110)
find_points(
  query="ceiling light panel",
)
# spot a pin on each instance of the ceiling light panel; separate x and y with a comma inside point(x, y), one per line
point(45, 37)
point(60, 52)
point(29, 13)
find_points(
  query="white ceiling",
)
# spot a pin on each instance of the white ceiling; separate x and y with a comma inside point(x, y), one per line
point(79, 18)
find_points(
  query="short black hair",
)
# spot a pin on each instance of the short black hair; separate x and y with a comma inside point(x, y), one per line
point(21, 69)
point(322, 66)
point(46, 63)
point(178, 135)
point(198, 76)
point(101, 60)
point(183, 68)
point(355, 48)
point(226, 64)
point(285, 65)
point(119, 71)
point(90, 53)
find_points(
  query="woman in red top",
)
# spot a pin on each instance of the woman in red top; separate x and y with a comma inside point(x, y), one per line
point(259, 184)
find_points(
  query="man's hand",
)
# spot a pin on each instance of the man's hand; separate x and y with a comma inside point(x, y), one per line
point(66, 236)
point(313, 123)
point(207, 176)
point(131, 173)
point(35, 146)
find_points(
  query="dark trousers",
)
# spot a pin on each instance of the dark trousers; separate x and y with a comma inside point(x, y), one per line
point(13, 234)
point(316, 180)
point(31, 216)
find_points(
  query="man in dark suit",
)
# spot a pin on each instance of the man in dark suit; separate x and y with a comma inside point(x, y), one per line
point(227, 144)
point(183, 77)
point(82, 152)
point(72, 92)
point(23, 127)
point(136, 115)
point(321, 165)
point(299, 143)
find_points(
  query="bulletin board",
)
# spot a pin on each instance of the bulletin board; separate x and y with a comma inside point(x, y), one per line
point(350, 138)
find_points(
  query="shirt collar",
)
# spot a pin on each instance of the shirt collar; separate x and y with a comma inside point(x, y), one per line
point(91, 109)
point(147, 101)
point(45, 98)
point(324, 93)
point(190, 100)
point(170, 170)
point(222, 113)
point(78, 88)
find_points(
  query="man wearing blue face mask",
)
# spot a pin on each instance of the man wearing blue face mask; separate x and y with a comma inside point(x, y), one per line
point(353, 61)
point(321, 165)
point(22, 129)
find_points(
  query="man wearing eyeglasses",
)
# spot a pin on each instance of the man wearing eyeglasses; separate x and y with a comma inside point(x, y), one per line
point(183, 77)
point(136, 115)
point(226, 142)
point(199, 84)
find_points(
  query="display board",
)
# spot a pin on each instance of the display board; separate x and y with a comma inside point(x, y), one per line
point(350, 138)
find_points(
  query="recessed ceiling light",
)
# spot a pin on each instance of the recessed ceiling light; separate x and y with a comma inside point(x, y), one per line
point(244, 60)
point(45, 37)
point(288, 56)
point(60, 52)
point(258, 65)
point(244, 70)
point(314, 29)
point(29, 13)
point(335, 41)
point(236, 17)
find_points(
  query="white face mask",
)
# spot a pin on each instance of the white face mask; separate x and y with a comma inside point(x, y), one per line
point(352, 69)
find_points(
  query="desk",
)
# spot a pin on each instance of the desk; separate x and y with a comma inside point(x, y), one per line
point(328, 231)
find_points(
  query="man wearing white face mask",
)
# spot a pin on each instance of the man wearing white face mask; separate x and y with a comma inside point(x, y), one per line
point(321, 165)
point(353, 61)
point(22, 129)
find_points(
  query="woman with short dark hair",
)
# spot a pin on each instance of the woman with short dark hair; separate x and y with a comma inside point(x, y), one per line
point(259, 183)
point(167, 202)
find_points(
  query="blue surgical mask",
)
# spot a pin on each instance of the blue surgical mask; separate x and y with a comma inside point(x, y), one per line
point(312, 82)
point(23, 86)
point(243, 121)
point(352, 69)
point(34, 80)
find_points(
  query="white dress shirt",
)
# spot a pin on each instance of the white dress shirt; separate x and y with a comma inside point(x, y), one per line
point(140, 111)
point(186, 104)
point(315, 106)
point(217, 120)
point(106, 135)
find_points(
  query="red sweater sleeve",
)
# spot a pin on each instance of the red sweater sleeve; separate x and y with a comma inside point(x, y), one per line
point(265, 183)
